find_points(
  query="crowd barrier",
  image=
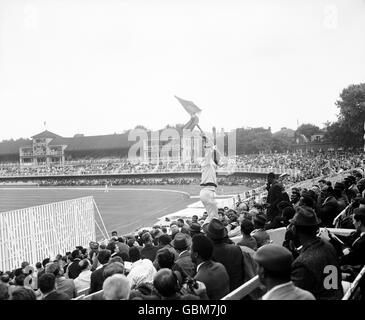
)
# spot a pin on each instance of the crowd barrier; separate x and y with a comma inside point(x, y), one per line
point(31, 234)
point(354, 285)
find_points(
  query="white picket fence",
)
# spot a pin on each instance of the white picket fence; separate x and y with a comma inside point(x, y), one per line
point(32, 234)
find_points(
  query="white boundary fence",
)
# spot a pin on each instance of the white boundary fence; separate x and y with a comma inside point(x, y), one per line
point(34, 233)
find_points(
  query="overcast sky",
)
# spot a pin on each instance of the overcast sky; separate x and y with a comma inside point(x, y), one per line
point(99, 66)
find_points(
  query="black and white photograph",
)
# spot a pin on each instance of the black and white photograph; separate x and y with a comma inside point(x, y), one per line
point(204, 151)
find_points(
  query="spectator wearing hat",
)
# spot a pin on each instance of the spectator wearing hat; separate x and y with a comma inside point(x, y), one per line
point(182, 243)
point(73, 269)
point(149, 250)
point(97, 276)
point(260, 235)
point(63, 285)
point(116, 287)
point(227, 253)
point(308, 269)
point(274, 270)
point(355, 255)
point(247, 240)
point(194, 229)
point(48, 290)
point(83, 280)
point(213, 274)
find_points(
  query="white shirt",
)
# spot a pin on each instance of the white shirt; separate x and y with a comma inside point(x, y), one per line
point(209, 168)
point(141, 271)
point(264, 297)
point(83, 280)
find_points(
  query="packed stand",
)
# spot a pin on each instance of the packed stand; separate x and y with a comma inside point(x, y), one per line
point(185, 262)
point(307, 165)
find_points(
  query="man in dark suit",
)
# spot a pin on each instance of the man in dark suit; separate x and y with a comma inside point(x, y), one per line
point(329, 209)
point(227, 253)
point(181, 243)
point(213, 274)
point(309, 268)
point(97, 277)
point(274, 196)
point(355, 255)
point(46, 284)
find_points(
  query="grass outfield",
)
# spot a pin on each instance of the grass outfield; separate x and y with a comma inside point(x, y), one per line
point(123, 208)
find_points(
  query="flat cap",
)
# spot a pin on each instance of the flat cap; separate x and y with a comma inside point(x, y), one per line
point(274, 258)
point(305, 216)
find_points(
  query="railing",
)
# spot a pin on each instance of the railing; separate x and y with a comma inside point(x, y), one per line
point(243, 290)
point(354, 285)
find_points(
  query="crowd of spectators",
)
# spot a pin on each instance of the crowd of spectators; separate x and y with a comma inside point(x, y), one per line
point(166, 180)
point(187, 261)
point(306, 165)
